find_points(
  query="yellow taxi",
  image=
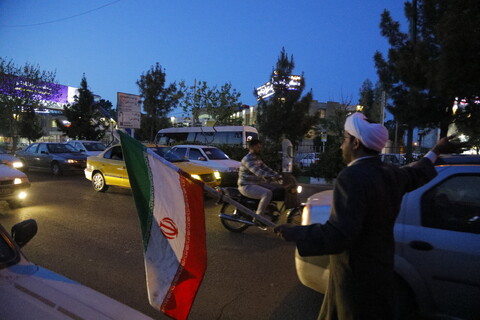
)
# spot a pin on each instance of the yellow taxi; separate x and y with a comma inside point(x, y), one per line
point(108, 168)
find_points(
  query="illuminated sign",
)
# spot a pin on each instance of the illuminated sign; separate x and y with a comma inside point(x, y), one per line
point(265, 91)
point(292, 82)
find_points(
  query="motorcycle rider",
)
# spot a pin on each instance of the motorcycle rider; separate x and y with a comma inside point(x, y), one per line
point(255, 179)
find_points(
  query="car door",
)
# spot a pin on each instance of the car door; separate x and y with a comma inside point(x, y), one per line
point(43, 158)
point(28, 156)
point(442, 242)
point(113, 168)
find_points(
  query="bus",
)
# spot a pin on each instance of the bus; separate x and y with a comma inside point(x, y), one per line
point(219, 135)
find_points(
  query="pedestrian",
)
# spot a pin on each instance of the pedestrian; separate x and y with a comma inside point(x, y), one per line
point(256, 180)
point(358, 235)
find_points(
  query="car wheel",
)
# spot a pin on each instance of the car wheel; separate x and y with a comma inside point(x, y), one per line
point(56, 169)
point(15, 204)
point(98, 182)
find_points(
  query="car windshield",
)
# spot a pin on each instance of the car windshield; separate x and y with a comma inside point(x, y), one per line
point(94, 146)
point(172, 157)
point(215, 154)
point(61, 148)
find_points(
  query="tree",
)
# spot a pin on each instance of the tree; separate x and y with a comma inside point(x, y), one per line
point(87, 122)
point(331, 161)
point(22, 90)
point(219, 103)
point(371, 100)
point(438, 60)
point(158, 101)
point(286, 112)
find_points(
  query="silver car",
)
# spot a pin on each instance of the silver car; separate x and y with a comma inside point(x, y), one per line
point(10, 160)
point(14, 186)
point(437, 256)
point(53, 156)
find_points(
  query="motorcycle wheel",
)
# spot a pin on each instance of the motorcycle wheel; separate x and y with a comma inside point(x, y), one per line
point(295, 216)
point(230, 225)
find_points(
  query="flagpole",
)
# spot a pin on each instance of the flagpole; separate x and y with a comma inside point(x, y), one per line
point(223, 197)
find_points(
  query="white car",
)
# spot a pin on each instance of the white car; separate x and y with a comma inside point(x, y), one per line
point(211, 157)
point(28, 291)
point(14, 185)
point(305, 160)
point(90, 148)
point(437, 254)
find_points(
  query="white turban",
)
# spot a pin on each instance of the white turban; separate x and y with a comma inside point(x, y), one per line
point(372, 135)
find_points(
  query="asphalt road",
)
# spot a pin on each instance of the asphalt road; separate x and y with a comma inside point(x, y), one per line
point(94, 238)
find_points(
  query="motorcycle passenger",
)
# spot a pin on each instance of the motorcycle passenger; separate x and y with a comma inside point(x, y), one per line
point(255, 179)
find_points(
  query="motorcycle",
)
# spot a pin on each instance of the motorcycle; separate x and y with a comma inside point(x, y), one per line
point(284, 202)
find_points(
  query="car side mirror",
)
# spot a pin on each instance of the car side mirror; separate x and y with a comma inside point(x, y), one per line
point(24, 231)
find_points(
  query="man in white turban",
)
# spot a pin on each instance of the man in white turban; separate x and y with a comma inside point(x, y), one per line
point(358, 235)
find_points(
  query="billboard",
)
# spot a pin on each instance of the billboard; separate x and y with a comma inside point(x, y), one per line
point(292, 82)
point(25, 88)
point(128, 108)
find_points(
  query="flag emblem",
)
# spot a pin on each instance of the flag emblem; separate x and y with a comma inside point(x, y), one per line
point(169, 229)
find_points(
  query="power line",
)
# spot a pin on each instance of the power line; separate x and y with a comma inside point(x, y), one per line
point(58, 20)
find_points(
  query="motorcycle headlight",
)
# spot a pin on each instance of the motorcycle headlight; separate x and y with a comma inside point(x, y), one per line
point(299, 189)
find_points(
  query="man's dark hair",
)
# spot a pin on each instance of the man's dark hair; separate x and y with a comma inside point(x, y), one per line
point(254, 142)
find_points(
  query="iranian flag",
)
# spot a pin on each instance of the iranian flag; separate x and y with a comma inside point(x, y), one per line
point(170, 207)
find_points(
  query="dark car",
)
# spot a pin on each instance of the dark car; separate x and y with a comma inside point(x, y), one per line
point(53, 156)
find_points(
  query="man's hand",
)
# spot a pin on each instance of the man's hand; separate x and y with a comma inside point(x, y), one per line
point(286, 231)
point(448, 145)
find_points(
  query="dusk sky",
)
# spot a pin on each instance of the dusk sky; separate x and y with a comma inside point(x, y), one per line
point(114, 42)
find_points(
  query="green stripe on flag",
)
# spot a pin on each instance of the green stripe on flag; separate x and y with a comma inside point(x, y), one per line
point(139, 175)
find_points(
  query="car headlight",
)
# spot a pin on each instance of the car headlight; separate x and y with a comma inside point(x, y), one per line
point(17, 164)
point(196, 176)
point(217, 175)
point(70, 161)
point(20, 180)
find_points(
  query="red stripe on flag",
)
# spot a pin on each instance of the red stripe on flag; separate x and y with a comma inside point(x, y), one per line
point(184, 287)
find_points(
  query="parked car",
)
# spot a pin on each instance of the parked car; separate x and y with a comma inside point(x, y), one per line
point(305, 160)
point(211, 157)
point(437, 234)
point(108, 169)
point(14, 185)
point(28, 291)
point(53, 156)
point(393, 158)
point(91, 148)
point(10, 160)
